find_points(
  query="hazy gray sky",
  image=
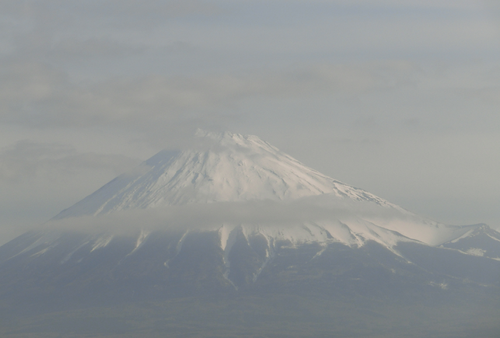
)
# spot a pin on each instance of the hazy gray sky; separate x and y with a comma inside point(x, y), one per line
point(400, 98)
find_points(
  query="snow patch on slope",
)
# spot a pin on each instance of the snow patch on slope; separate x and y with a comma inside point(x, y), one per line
point(178, 247)
point(48, 238)
point(102, 242)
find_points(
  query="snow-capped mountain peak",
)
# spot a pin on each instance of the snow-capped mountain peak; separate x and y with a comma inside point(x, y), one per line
point(220, 167)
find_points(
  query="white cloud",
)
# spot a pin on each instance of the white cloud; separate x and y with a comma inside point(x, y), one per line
point(213, 215)
point(75, 49)
point(422, 4)
point(26, 162)
point(39, 96)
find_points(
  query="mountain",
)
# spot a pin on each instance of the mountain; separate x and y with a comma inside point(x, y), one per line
point(230, 167)
point(232, 216)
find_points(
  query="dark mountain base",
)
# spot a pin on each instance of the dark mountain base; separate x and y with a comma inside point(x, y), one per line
point(163, 290)
point(454, 314)
point(57, 273)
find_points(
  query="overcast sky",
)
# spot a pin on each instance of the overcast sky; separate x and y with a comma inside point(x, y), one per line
point(400, 98)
